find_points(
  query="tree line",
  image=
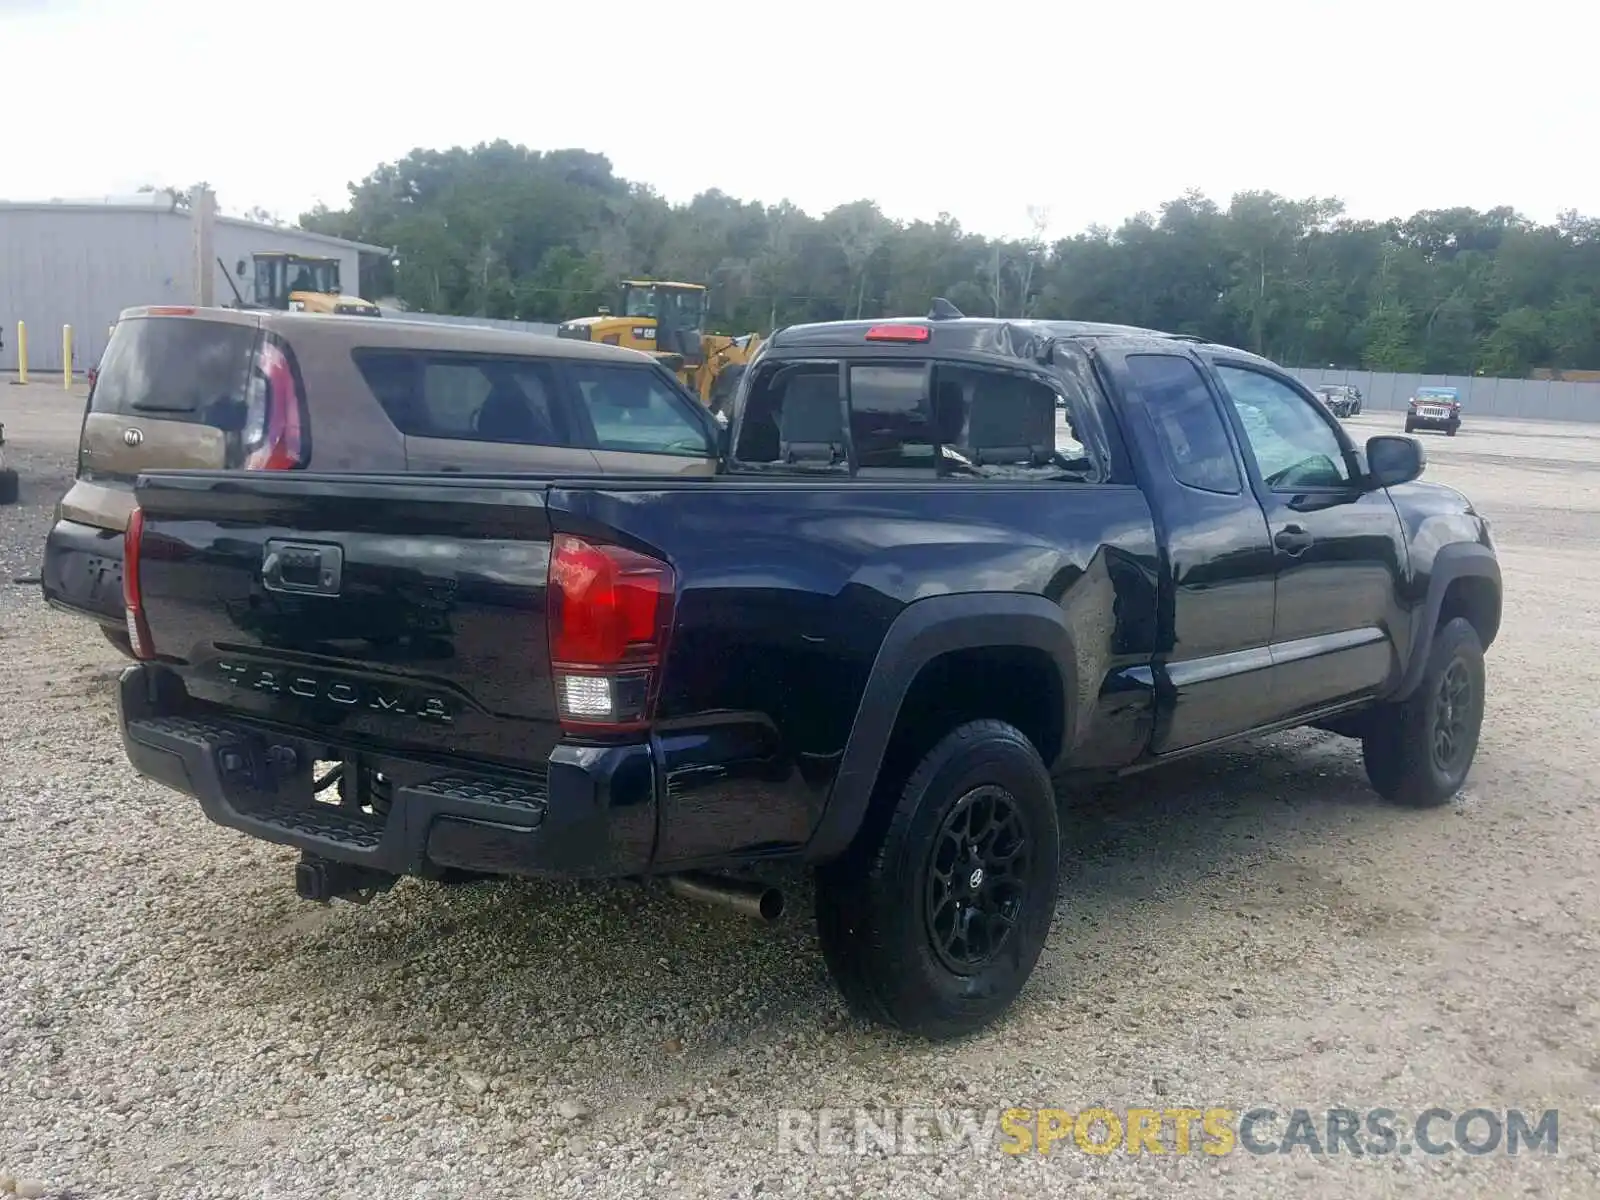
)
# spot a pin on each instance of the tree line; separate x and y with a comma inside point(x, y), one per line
point(503, 231)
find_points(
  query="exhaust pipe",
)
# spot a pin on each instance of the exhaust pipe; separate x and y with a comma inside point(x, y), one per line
point(756, 900)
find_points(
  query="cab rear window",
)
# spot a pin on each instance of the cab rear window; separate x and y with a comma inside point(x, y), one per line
point(908, 417)
point(175, 369)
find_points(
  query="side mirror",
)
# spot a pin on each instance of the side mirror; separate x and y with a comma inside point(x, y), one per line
point(1393, 460)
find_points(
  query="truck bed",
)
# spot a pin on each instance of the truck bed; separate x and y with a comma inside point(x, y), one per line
point(431, 645)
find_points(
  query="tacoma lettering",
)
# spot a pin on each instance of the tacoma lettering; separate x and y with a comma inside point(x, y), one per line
point(336, 691)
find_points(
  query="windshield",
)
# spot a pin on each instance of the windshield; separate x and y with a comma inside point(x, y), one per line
point(1439, 395)
point(680, 308)
point(277, 276)
point(639, 302)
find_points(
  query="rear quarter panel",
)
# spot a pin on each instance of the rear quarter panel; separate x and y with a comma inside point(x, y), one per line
point(786, 595)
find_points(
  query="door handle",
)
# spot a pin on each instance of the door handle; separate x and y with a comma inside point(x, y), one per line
point(1293, 540)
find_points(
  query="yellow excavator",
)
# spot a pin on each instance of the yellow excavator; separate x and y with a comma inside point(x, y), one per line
point(299, 283)
point(667, 320)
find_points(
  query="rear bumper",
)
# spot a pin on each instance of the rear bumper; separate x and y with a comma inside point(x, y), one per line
point(591, 814)
point(82, 571)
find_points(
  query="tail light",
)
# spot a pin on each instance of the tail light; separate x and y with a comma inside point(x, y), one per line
point(610, 611)
point(274, 429)
point(132, 596)
point(898, 333)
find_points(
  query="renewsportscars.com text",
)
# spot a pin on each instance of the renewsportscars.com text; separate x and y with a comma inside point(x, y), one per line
point(1169, 1130)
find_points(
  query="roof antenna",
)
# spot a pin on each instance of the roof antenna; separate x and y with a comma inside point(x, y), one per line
point(943, 310)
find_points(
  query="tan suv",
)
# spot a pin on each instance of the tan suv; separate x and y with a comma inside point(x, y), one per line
point(271, 391)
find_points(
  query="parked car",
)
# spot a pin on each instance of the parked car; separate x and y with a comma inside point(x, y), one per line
point(915, 594)
point(1339, 399)
point(1434, 408)
point(276, 391)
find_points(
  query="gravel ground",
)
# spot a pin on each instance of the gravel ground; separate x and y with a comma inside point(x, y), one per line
point(1249, 928)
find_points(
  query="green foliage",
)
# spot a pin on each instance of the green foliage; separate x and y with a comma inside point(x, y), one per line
point(504, 231)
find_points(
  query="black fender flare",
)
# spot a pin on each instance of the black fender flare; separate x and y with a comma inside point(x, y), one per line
point(1459, 560)
point(924, 630)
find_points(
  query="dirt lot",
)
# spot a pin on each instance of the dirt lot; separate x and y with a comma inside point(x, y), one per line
point(1251, 929)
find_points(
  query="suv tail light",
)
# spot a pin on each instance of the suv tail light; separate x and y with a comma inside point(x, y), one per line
point(274, 426)
point(132, 597)
point(609, 614)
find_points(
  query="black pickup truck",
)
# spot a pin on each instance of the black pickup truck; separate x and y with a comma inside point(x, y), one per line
point(947, 564)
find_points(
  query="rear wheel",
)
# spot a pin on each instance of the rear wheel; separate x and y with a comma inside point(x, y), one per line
point(1418, 752)
point(1451, 431)
point(933, 922)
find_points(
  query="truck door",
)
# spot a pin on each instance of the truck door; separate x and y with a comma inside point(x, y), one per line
point(1339, 546)
point(1212, 670)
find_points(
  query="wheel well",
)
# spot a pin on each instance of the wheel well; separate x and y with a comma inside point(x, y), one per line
point(1016, 684)
point(1478, 600)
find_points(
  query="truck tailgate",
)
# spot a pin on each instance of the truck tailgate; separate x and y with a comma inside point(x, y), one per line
point(408, 618)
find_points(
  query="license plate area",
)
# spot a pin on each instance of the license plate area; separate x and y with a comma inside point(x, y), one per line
point(353, 786)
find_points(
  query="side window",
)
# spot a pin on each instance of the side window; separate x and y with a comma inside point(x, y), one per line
point(1193, 439)
point(466, 397)
point(1294, 446)
point(635, 409)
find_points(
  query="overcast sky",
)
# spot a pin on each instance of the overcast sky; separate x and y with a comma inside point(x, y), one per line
point(978, 109)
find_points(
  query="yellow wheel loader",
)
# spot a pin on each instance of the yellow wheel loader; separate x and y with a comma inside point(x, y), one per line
point(668, 320)
point(299, 283)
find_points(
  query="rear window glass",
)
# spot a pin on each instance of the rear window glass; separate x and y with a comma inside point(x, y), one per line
point(175, 369)
point(891, 416)
point(972, 422)
point(793, 419)
point(995, 424)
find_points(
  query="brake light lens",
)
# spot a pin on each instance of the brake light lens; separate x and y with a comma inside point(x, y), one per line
point(132, 596)
point(609, 614)
point(274, 430)
point(898, 333)
point(170, 310)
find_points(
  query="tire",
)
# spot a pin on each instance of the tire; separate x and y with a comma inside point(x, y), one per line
point(879, 905)
point(1410, 428)
point(1399, 750)
point(10, 486)
point(1451, 431)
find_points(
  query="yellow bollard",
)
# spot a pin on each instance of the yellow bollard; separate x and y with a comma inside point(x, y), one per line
point(22, 352)
point(66, 357)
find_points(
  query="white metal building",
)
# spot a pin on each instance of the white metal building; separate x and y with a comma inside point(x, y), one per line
point(80, 264)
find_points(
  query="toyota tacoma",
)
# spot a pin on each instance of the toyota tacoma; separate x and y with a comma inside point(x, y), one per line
point(946, 566)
